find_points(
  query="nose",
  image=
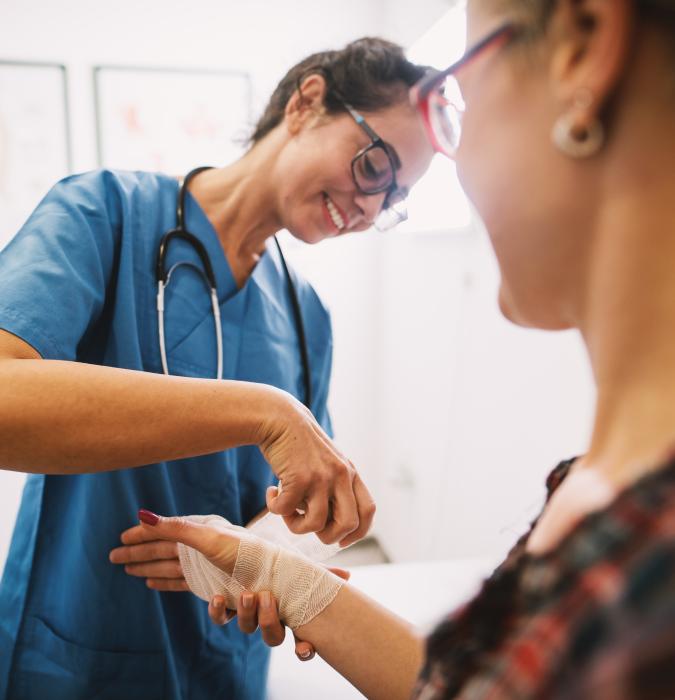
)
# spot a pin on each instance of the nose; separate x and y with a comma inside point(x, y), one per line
point(369, 206)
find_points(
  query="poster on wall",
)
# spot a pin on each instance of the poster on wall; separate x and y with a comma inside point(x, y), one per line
point(167, 120)
point(34, 138)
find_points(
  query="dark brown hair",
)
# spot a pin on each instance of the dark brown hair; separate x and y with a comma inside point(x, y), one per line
point(370, 74)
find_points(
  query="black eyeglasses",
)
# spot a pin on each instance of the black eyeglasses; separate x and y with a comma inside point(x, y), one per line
point(374, 171)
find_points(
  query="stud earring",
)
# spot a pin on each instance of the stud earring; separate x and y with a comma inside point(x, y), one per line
point(573, 139)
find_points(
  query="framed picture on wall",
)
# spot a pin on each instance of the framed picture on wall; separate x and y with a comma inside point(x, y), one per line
point(170, 120)
point(34, 138)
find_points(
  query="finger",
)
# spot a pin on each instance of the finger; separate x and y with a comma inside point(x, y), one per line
point(212, 543)
point(136, 535)
point(296, 515)
point(303, 650)
point(170, 568)
point(273, 632)
point(345, 515)
point(174, 585)
point(247, 612)
point(150, 551)
point(315, 515)
point(218, 611)
point(342, 573)
point(366, 507)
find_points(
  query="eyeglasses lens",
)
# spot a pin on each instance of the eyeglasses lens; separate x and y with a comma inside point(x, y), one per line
point(372, 171)
point(445, 115)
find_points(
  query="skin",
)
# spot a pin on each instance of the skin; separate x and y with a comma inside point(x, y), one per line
point(60, 417)
point(374, 649)
point(601, 265)
point(292, 197)
point(584, 244)
point(156, 560)
point(78, 418)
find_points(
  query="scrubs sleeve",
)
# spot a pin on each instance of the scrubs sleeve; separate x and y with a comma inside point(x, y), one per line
point(55, 271)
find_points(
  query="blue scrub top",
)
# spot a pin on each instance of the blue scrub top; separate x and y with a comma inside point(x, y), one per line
point(78, 283)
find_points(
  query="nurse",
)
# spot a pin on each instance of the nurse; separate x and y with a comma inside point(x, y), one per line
point(88, 409)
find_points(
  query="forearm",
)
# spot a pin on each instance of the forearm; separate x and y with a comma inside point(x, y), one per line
point(378, 652)
point(70, 417)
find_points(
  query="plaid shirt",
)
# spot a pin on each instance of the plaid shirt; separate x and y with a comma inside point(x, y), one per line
point(593, 619)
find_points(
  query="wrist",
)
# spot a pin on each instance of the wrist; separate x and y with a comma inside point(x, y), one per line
point(278, 411)
point(255, 407)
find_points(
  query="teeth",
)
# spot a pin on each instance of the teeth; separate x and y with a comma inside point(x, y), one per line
point(334, 213)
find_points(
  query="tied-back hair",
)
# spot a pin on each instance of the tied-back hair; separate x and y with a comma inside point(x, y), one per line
point(370, 74)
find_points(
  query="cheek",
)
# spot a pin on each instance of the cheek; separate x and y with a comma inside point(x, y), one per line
point(311, 168)
point(489, 163)
point(511, 174)
point(505, 142)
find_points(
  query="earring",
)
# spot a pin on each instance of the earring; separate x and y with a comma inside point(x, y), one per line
point(575, 141)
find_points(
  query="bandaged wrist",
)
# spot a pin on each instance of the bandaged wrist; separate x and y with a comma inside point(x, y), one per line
point(301, 588)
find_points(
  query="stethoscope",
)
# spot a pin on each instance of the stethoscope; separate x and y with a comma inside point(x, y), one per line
point(206, 273)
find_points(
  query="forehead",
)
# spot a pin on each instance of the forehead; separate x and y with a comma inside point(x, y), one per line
point(401, 126)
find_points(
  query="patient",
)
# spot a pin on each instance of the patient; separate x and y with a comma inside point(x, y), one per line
point(567, 150)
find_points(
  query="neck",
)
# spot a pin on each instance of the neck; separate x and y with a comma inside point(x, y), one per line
point(240, 205)
point(628, 314)
point(629, 323)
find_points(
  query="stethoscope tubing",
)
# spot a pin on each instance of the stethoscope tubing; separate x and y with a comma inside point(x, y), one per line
point(163, 276)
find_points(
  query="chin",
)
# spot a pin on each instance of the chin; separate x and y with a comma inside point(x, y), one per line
point(529, 315)
point(310, 235)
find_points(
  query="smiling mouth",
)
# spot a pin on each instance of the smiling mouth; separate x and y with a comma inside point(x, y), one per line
point(334, 213)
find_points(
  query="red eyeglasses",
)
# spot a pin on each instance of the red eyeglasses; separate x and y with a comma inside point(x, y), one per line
point(439, 100)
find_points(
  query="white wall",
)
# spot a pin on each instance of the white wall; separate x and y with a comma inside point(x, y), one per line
point(261, 37)
point(456, 415)
point(495, 407)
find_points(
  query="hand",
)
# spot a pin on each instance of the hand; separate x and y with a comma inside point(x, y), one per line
point(260, 610)
point(147, 557)
point(221, 549)
point(155, 560)
point(322, 492)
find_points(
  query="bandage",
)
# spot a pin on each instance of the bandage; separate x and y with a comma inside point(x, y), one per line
point(301, 588)
point(271, 527)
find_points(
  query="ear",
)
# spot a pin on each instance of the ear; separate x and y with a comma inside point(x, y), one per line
point(306, 105)
point(592, 44)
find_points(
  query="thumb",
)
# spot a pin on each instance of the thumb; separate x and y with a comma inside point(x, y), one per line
point(283, 502)
point(195, 535)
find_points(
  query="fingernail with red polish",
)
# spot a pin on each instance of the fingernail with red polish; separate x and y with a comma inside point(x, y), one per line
point(148, 517)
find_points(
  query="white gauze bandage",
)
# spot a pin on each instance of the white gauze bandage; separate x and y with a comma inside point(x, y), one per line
point(302, 589)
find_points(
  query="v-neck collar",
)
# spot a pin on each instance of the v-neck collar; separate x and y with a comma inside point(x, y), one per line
point(199, 224)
